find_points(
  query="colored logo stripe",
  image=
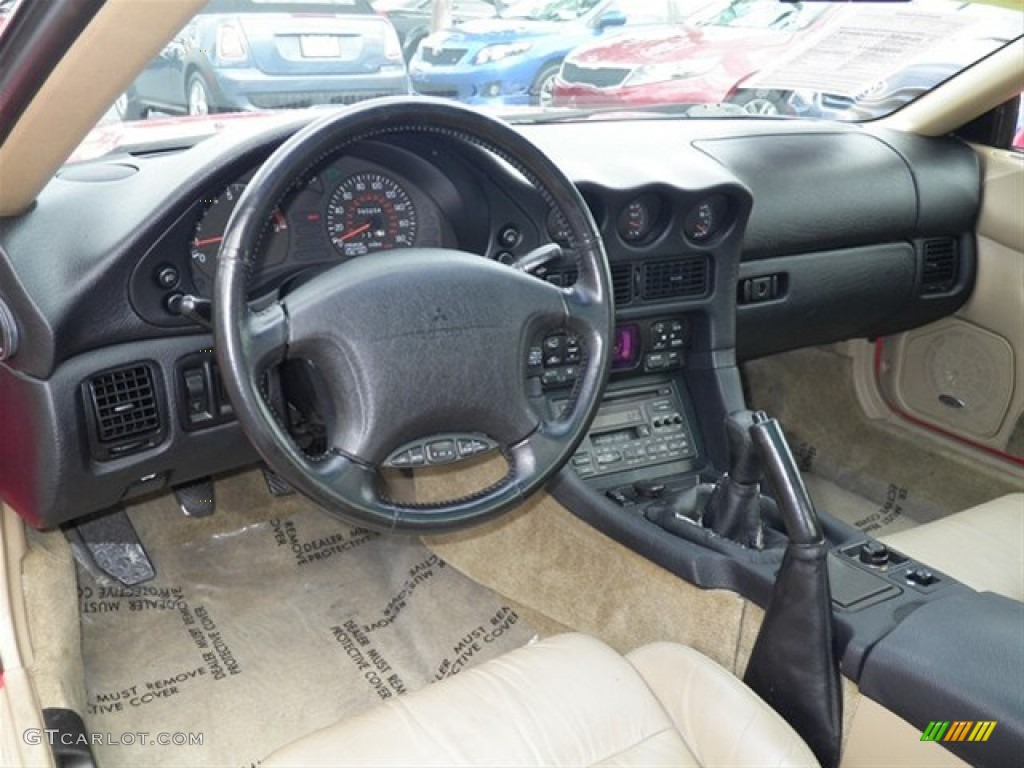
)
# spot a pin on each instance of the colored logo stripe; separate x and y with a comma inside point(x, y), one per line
point(982, 730)
point(935, 731)
point(958, 730)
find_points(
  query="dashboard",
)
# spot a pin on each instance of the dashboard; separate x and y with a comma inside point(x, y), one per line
point(725, 240)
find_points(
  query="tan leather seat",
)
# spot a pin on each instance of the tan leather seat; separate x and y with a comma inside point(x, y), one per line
point(983, 546)
point(567, 700)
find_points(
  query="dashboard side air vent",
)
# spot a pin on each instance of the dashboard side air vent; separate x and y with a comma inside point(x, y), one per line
point(123, 410)
point(940, 265)
point(622, 283)
point(674, 279)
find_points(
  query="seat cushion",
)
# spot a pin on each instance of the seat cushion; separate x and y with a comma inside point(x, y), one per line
point(983, 546)
point(566, 700)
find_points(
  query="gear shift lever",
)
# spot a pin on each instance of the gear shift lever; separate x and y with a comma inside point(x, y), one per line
point(734, 509)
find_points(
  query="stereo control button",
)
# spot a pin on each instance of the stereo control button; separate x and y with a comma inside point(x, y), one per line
point(401, 460)
point(536, 357)
point(441, 452)
point(470, 446)
point(554, 343)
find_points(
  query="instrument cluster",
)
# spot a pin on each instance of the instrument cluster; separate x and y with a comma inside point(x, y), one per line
point(352, 207)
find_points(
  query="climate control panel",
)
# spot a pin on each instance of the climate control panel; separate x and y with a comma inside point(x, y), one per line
point(645, 345)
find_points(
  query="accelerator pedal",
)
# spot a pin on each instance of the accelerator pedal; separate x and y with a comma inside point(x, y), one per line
point(276, 484)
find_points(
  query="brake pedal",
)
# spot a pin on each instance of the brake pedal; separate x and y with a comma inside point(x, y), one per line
point(196, 499)
point(276, 484)
point(108, 543)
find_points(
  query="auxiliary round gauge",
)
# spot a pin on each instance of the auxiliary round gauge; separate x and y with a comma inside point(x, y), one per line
point(706, 219)
point(370, 212)
point(637, 219)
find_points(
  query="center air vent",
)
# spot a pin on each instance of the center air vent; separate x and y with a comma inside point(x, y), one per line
point(940, 265)
point(124, 411)
point(622, 283)
point(674, 279)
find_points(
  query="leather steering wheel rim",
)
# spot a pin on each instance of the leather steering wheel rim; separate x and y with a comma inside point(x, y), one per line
point(385, 331)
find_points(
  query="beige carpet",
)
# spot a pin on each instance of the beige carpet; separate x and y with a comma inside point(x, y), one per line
point(873, 476)
point(266, 621)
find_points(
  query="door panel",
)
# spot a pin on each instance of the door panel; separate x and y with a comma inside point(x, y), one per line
point(965, 375)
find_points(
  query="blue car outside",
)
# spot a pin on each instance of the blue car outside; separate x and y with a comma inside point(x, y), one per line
point(239, 55)
point(513, 59)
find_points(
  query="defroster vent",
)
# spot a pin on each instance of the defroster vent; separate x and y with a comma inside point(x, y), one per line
point(674, 279)
point(940, 265)
point(124, 406)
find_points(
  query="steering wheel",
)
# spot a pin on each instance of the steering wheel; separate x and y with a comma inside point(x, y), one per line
point(412, 343)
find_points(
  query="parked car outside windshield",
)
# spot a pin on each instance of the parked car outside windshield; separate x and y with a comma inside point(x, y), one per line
point(699, 60)
point(239, 55)
point(513, 59)
point(772, 58)
point(412, 18)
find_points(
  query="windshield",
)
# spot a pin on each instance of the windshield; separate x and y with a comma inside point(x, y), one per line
point(556, 59)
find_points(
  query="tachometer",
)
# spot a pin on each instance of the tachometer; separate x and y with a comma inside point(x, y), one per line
point(369, 212)
point(210, 232)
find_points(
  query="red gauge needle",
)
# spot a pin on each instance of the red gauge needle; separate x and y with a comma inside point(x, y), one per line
point(207, 241)
point(353, 233)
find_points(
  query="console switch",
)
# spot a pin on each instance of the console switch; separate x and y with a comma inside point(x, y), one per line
point(874, 553)
point(921, 577)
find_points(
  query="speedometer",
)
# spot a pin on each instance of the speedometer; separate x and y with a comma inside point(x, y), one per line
point(369, 212)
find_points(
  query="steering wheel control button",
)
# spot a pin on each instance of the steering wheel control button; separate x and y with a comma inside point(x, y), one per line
point(554, 343)
point(561, 355)
point(441, 452)
point(471, 446)
point(400, 460)
point(535, 358)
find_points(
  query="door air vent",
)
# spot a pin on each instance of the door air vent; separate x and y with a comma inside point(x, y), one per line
point(676, 278)
point(940, 265)
point(124, 411)
point(622, 283)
